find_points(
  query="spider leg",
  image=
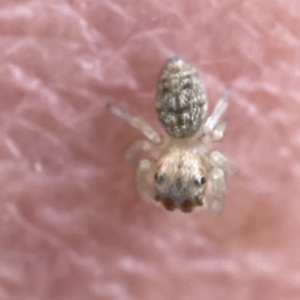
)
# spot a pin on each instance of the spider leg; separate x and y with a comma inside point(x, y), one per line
point(219, 160)
point(138, 123)
point(219, 130)
point(143, 180)
point(221, 165)
point(215, 125)
point(140, 145)
point(217, 196)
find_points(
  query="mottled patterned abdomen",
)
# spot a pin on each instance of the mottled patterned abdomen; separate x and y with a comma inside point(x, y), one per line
point(181, 103)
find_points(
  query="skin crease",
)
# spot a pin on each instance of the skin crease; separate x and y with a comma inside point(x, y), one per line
point(72, 225)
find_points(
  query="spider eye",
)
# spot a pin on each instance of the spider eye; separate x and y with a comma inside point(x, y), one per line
point(158, 178)
point(199, 183)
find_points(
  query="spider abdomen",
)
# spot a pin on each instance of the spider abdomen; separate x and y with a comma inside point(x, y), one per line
point(181, 103)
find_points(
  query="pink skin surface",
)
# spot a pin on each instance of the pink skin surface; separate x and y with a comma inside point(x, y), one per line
point(72, 224)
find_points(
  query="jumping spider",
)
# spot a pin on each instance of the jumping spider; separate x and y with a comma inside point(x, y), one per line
point(183, 173)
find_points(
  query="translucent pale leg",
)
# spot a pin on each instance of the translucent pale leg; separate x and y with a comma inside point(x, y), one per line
point(140, 145)
point(217, 197)
point(219, 160)
point(215, 126)
point(218, 132)
point(138, 123)
point(217, 178)
point(143, 180)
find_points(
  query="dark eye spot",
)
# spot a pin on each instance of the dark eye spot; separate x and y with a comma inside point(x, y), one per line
point(158, 178)
point(199, 183)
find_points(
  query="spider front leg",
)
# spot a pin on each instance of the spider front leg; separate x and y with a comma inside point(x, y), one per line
point(140, 145)
point(153, 140)
point(151, 134)
point(153, 143)
point(144, 180)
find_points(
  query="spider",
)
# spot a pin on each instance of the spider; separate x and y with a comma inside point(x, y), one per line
point(183, 171)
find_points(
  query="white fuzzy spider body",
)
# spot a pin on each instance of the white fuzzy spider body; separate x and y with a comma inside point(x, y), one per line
point(180, 177)
point(183, 173)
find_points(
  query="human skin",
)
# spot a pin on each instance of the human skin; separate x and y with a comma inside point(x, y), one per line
point(72, 224)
